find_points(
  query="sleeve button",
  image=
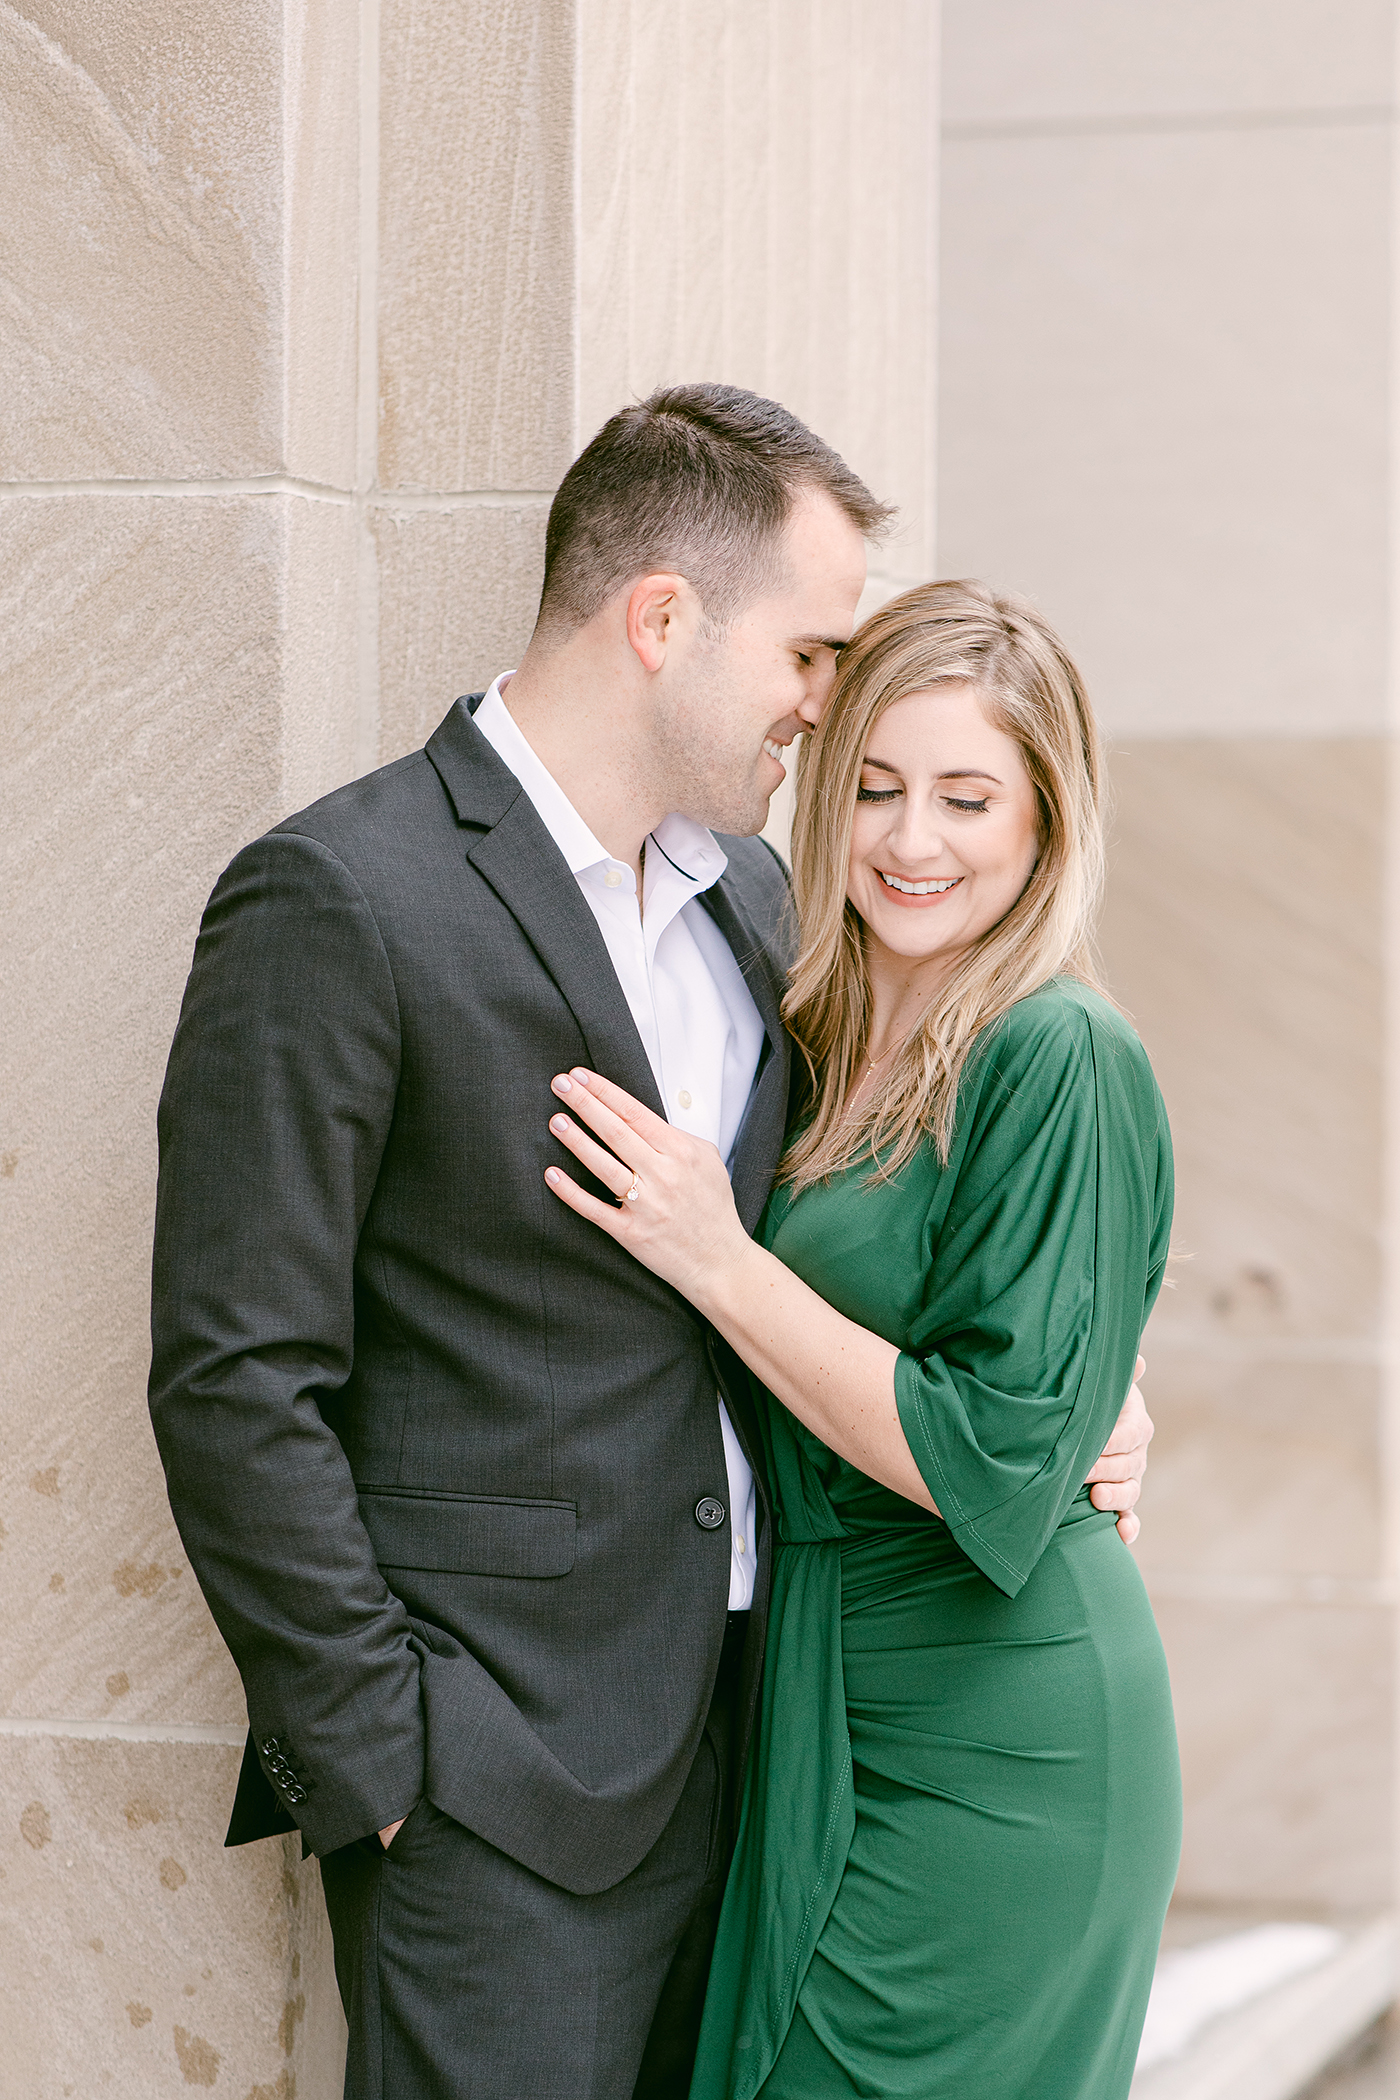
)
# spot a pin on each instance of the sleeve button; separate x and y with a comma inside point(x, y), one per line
point(709, 1513)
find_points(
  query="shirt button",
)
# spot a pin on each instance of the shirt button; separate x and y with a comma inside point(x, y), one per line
point(683, 1098)
point(739, 1545)
point(612, 877)
point(709, 1513)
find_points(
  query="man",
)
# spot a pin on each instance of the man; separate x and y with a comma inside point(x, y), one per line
point(466, 1488)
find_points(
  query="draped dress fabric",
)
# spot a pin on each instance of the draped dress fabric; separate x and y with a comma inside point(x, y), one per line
point(962, 1820)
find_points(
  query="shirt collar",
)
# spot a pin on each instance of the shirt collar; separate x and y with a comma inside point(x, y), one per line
point(687, 847)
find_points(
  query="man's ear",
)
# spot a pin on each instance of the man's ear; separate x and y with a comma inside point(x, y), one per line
point(657, 606)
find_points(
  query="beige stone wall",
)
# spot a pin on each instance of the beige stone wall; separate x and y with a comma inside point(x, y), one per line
point(1168, 240)
point(305, 308)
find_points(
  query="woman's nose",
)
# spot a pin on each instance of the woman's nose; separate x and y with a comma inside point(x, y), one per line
point(916, 834)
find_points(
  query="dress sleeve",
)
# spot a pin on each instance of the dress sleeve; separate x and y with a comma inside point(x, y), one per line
point(1045, 1254)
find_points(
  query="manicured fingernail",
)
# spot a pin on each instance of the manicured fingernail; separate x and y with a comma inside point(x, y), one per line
point(551, 1175)
point(559, 1123)
point(581, 1076)
point(561, 1085)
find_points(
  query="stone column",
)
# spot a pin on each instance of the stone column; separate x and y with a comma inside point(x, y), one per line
point(306, 308)
point(1167, 412)
point(179, 580)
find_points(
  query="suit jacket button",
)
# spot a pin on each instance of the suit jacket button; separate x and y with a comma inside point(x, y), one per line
point(709, 1513)
point(271, 1746)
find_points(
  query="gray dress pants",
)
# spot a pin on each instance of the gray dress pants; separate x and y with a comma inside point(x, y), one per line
point(466, 1977)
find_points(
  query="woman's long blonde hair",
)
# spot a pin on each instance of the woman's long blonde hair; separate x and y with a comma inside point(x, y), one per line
point(940, 633)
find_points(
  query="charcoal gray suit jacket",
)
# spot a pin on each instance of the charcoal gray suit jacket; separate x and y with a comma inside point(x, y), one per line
point(435, 1446)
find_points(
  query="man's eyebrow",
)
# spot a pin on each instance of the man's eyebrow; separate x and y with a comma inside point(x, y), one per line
point(957, 773)
point(819, 641)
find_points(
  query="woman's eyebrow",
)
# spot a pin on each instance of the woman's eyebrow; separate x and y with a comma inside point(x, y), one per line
point(958, 773)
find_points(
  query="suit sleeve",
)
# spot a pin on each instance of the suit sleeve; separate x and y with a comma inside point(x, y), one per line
point(276, 1108)
point(1040, 1278)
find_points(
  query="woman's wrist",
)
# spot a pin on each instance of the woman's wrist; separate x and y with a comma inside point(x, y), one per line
point(729, 1283)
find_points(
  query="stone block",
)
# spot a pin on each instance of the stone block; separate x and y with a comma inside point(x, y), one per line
point(1243, 933)
point(1014, 62)
point(141, 1959)
point(155, 152)
point(152, 728)
point(1266, 1472)
point(757, 189)
point(458, 592)
point(1286, 1714)
point(1164, 398)
point(321, 119)
point(476, 235)
point(324, 739)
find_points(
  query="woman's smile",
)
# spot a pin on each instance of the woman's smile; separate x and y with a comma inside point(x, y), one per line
point(923, 890)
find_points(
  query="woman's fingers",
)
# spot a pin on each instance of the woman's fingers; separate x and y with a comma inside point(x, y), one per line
point(581, 1085)
point(608, 1215)
point(604, 1166)
point(614, 1130)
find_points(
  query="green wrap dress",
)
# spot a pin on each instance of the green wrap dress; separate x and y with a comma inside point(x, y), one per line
point(962, 1818)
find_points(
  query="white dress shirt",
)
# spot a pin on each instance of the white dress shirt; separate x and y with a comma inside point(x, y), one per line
point(694, 1013)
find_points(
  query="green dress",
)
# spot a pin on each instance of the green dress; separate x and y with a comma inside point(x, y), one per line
point(962, 1818)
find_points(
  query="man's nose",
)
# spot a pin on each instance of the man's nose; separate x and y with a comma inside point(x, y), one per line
point(810, 709)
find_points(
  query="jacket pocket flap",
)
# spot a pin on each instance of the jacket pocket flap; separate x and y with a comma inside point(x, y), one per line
point(469, 1534)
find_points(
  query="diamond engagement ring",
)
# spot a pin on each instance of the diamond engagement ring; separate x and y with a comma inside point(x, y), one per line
point(631, 1195)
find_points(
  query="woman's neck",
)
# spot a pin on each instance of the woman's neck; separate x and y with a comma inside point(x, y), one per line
point(900, 989)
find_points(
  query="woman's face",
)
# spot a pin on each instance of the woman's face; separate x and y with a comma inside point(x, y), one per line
point(945, 833)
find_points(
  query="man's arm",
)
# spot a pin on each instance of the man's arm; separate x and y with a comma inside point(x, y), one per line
point(276, 1108)
point(1116, 1481)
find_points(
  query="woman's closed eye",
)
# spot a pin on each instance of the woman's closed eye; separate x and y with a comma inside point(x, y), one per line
point(977, 808)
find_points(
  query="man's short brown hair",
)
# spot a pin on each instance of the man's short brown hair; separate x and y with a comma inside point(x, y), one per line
point(695, 479)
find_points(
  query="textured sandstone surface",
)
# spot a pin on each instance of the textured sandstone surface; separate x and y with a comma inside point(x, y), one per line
point(155, 1960)
point(458, 591)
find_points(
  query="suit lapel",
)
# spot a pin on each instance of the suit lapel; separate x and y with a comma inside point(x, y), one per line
point(516, 855)
point(528, 873)
point(758, 1147)
point(514, 852)
point(759, 1144)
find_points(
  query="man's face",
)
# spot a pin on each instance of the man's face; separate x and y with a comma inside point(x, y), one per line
point(729, 705)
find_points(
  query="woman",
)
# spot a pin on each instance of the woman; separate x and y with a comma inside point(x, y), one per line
point(962, 1819)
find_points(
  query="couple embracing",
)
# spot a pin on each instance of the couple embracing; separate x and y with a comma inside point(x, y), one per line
point(640, 1344)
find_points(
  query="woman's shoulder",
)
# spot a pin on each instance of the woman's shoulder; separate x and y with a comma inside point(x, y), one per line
point(1061, 1030)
